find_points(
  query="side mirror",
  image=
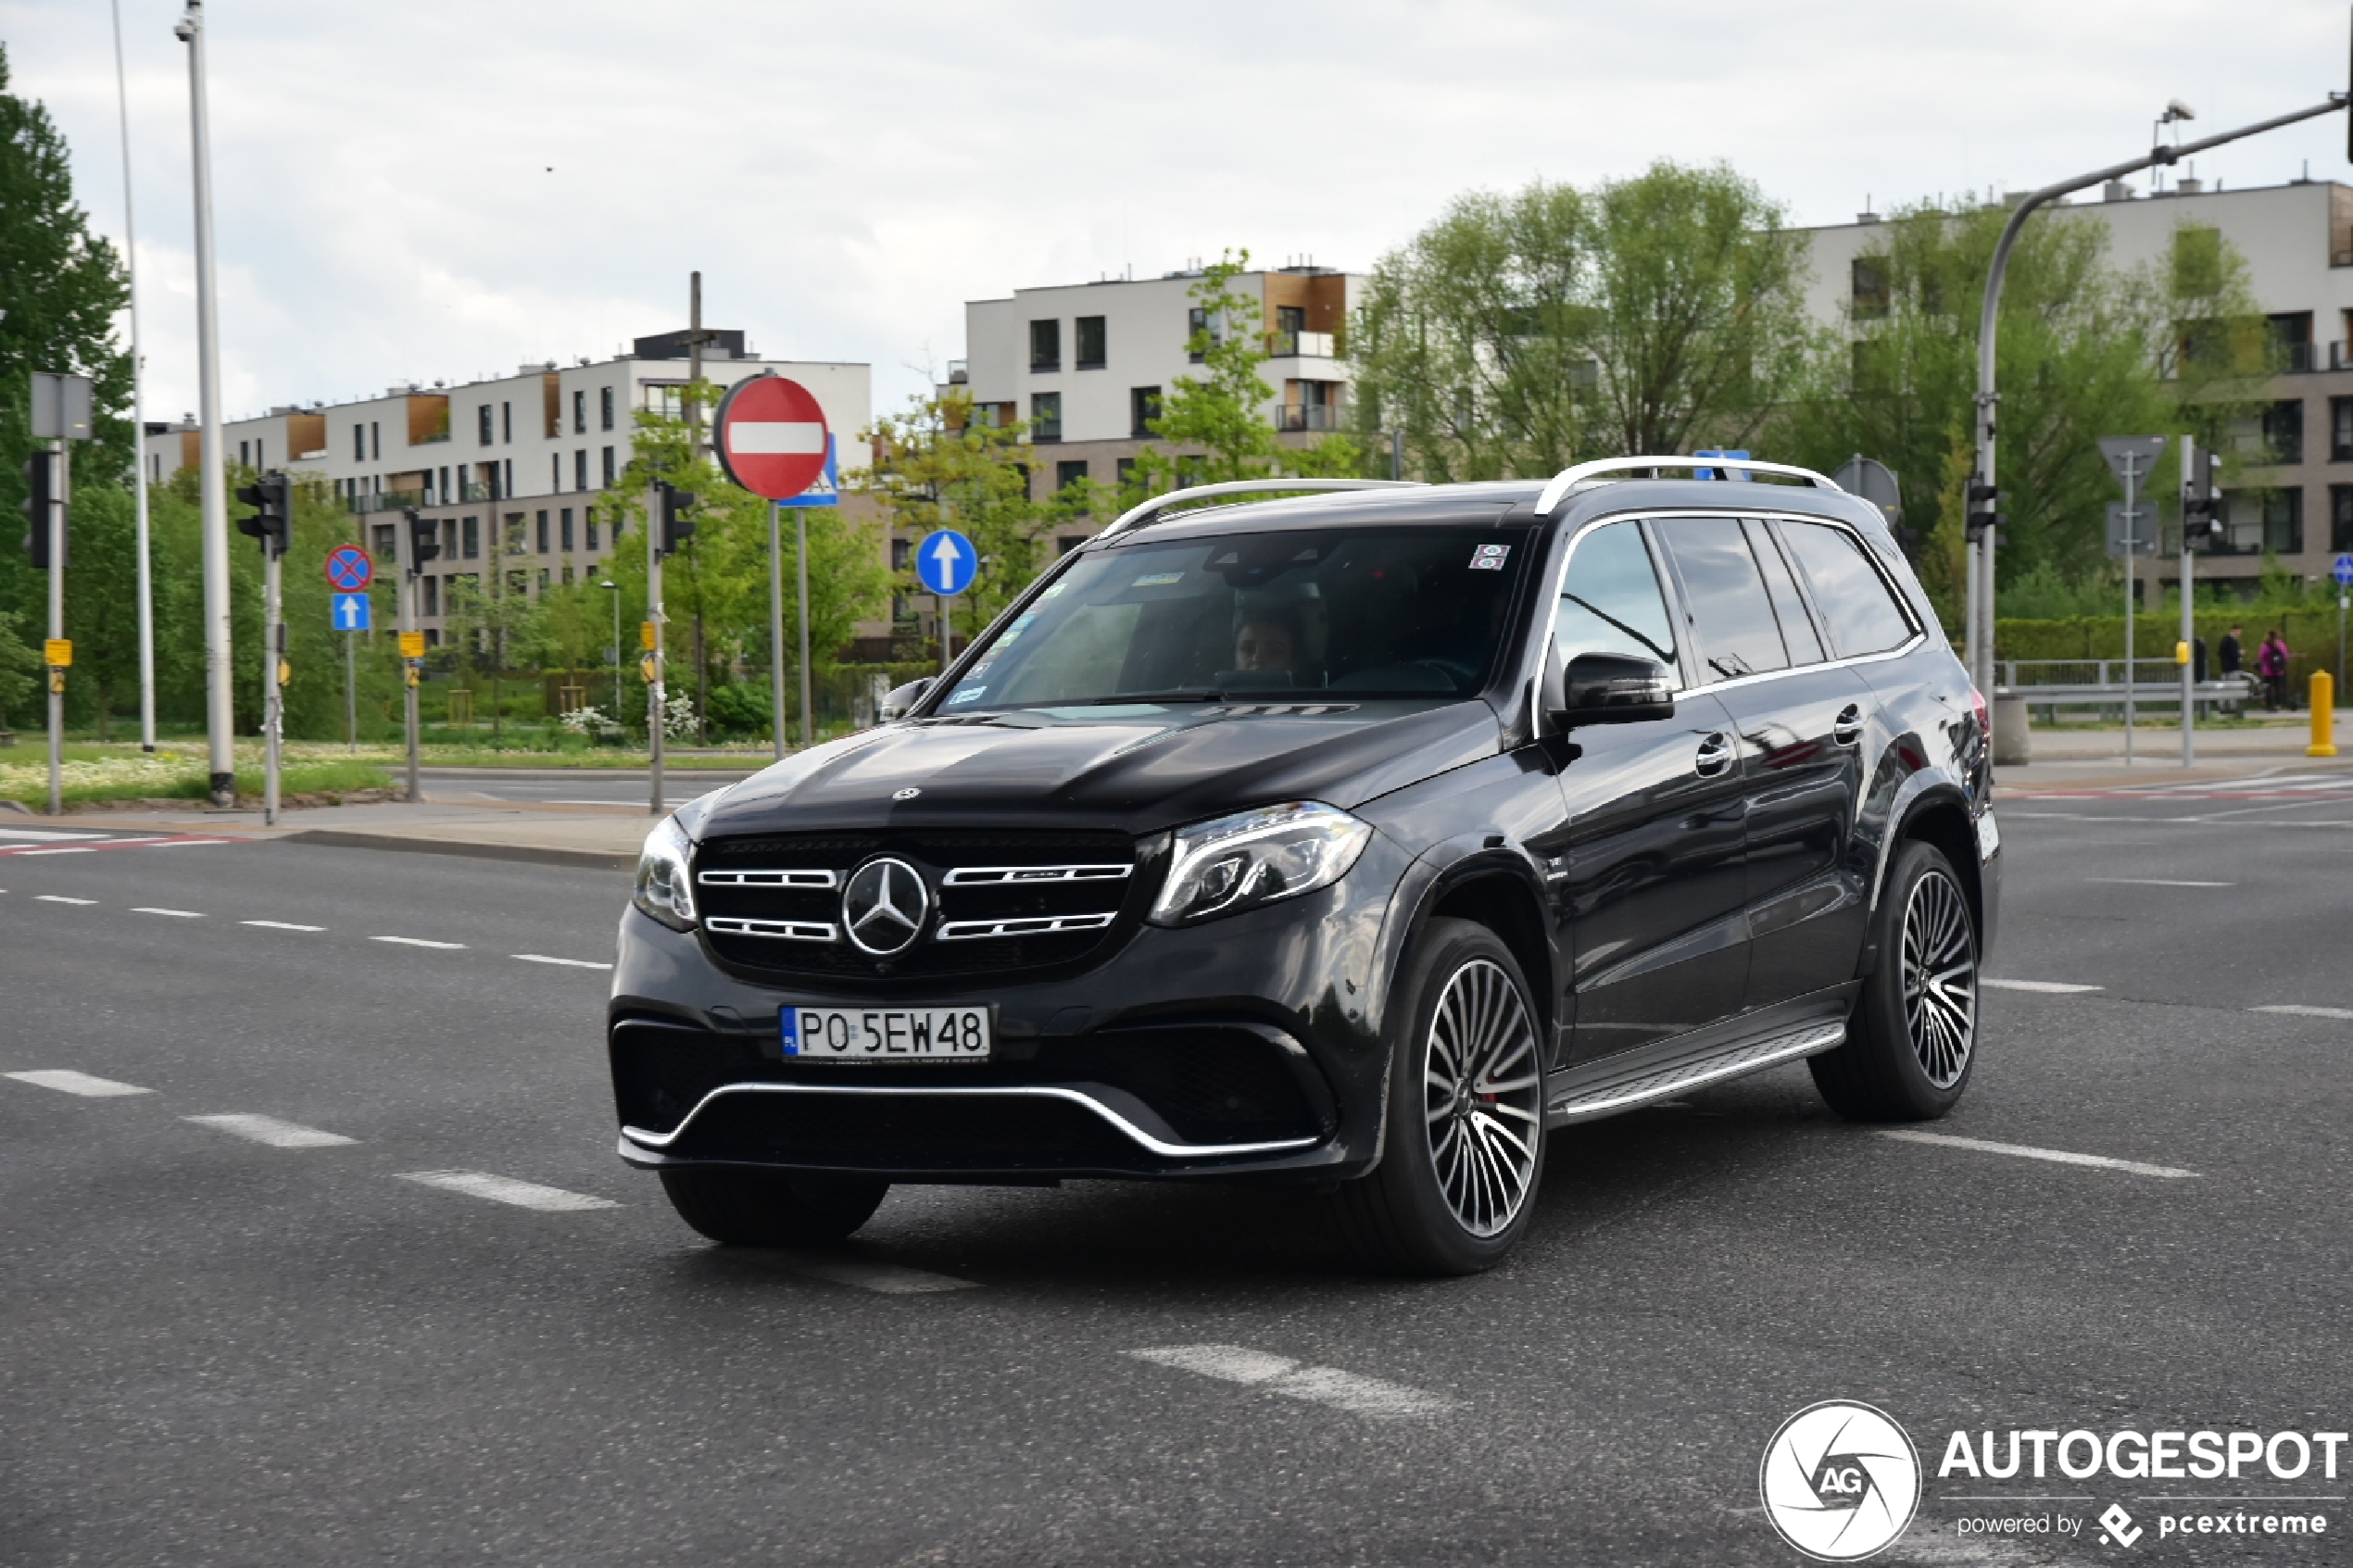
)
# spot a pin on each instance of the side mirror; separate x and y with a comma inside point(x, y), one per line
point(898, 699)
point(1609, 688)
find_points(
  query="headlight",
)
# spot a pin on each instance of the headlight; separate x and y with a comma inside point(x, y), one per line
point(664, 888)
point(1242, 861)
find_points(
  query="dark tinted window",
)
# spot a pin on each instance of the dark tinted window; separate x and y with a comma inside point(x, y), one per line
point(1860, 611)
point(1804, 647)
point(1610, 601)
point(1731, 616)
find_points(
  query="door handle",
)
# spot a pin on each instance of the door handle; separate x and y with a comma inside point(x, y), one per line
point(1849, 727)
point(1714, 756)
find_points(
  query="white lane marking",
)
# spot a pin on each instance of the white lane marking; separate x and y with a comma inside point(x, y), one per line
point(60, 898)
point(188, 843)
point(152, 910)
point(568, 963)
point(40, 835)
point(2155, 881)
point(506, 1189)
point(1280, 1375)
point(888, 1278)
point(281, 925)
point(2052, 987)
point(2296, 1010)
point(66, 1081)
point(76, 849)
point(270, 1130)
point(416, 942)
point(2026, 1151)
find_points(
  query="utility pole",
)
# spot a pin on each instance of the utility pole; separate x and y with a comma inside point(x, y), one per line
point(58, 501)
point(62, 414)
point(144, 555)
point(2189, 617)
point(220, 690)
point(1980, 614)
point(696, 337)
point(412, 554)
point(657, 708)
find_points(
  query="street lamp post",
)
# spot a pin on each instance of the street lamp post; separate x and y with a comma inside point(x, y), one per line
point(608, 583)
point(220, 713)
point(142, 563)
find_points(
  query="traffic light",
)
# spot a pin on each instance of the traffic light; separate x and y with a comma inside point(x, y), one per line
point(2202, 500)
point(424, 539)
point(271, 497)
point(40, 493)
point(1981, 516)
point(677, 518)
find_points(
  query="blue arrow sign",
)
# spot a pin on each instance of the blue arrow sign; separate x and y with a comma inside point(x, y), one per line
point(2344, 571)
point(351, 612)
point(946, 561)
point(826, 492)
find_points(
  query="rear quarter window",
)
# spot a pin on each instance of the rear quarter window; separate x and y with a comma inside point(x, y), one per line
point(1859, 609)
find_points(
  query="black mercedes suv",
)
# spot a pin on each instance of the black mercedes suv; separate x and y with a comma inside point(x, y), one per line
point(1364, 835)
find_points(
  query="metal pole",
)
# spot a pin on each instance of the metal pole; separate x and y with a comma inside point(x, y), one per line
point(351, 691)
point(1981, 610)
point(2131, 584)
point(143, 563)
point(946, 612)
point(657, 705)
point(777, 625)
point(58, 501)
point(407, 590)
point(808, 683)
point(273, 637)
point(1396, 454)
point(615, 589)
point(2189, 617)
point(220, 710)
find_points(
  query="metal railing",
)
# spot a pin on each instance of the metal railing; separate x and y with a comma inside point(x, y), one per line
point(2052, 684)
point(1297, 346)
point(1306, 416)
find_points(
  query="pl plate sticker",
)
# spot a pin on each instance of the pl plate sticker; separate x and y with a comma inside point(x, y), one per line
point(1159, 579)
point(1490, 558)
point(967, 694)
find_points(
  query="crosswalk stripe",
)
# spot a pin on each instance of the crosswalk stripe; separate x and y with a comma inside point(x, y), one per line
point(66, 1081)
point(887, 1278)
point(506, 1189)
point(270, 1130)
point(1319, 1384)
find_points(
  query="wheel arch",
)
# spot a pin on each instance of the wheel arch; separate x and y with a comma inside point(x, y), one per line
point(1938, 814)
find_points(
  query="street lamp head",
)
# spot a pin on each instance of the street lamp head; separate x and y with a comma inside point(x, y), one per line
point(608, 583)
point(2176, 109)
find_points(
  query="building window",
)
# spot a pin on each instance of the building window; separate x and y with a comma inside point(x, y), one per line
point(358, 443)
point(1069, 473)
point(245, 458)
point(564, 519)
point(1091, 342)
point(482, 426)
point(604, 407)
point(1143, 407)
point(555, 471)
point(1197, 335)
point(579, 411)
point(1045, 346)
point(902, 554)
point(1045, 416)
point(608, 468)
point(507, 475)
point(546, 576)
point(449, 538)
point(2341, 517)
point(2341, 430)
point(469, 531)
point(588, 517)
point(2292, 333)
point(1126, 471)
point(2261, 523)
point(543, 535)
point(579, 468)
point(2283, 431)
point(376, 439)
point(1066, 543)
point(507, 422)
point(386, 541)
point(567, 574)
point(1867, 283)
point(433, 595)
point(446, 496)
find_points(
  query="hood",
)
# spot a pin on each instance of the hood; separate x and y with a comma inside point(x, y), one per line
point(1138, 769)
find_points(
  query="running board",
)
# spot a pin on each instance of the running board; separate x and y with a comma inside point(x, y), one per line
point(1628, 1093)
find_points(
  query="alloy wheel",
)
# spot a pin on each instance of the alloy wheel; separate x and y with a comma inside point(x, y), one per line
point(1940, 979)
point(1482, 1097)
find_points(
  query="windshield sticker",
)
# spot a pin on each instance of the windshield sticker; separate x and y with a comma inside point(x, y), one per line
point(1490, 558)
point(1053, 591)
point(1158, 580)
point(967, 694)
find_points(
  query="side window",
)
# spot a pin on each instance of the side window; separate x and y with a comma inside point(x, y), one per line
point(1731, 615)
point(1610, 601)
point(1804, 646)
point(1858, 609)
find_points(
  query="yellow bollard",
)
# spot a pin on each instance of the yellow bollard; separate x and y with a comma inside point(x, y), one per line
point(2324, 715)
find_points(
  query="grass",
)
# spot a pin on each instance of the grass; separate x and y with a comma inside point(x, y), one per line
point(92, 772)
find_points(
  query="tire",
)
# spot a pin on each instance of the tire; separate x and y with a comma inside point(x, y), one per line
point(1464, 1150)
point(740, 1208)
point(1911, 1042)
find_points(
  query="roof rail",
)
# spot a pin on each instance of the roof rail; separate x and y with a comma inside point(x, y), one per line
point(1139, 517)
point(1568, 479)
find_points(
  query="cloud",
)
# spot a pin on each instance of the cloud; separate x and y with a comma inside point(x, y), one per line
point(440, 190)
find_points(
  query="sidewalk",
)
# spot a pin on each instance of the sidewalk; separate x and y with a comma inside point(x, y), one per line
point(2071, 759)
point(602, 837)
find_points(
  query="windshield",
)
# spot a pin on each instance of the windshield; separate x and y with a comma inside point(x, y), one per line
point(1379, 613)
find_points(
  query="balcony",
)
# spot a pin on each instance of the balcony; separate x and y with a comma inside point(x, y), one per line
point(2299, 355)
point(1300, 345)
point(387, 501)
point(2341, 355)
point(1289, 417)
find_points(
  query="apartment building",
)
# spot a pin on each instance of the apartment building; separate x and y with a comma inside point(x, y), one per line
point(2295, 498)
point(513, 470)
point(1087, 364)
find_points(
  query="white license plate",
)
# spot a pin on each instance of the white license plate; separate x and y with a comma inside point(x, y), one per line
point(887, 1033)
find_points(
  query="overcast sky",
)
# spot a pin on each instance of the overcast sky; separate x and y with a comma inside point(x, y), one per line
point(440, 190)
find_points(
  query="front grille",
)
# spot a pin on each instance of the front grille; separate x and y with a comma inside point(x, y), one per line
point(915, 1133)
point(1002, 902)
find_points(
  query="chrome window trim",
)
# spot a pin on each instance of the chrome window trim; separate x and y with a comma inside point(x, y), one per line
point(1021, 877)
point(774, 930)
point(806, 881)
point(1036, 1091)
point(1020, 925)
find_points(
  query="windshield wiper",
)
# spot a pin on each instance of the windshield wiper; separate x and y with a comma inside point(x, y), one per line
point(1193, 695)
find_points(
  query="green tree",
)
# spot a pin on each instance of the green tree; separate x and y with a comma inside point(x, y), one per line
point(938, 465)
point(19, 670)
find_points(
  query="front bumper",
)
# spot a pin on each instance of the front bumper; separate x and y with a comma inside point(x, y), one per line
point(1245, 1045)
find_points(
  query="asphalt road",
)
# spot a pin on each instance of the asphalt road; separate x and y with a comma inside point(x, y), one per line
point(223, 1350)
point(583, 787)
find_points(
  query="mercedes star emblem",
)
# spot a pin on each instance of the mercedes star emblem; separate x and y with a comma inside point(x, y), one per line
point(885, 905)
point(908, 794)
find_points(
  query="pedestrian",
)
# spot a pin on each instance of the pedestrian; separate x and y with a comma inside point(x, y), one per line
point(2231, 653)
point(2270, 663)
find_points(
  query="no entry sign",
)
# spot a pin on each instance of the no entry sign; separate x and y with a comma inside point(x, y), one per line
point(771, 436)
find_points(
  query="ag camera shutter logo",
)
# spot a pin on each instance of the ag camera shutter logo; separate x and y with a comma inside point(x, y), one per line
point(1840, 1481)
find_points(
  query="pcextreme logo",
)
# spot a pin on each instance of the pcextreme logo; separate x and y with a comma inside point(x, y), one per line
point(1840, 1481)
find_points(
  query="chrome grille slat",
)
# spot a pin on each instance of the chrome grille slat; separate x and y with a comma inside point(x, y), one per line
point(1020, 925)
point(1014, 876)
point(811, 880)
point(777, 930)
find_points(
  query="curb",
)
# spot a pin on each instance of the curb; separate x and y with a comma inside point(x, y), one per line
point(331, 838)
